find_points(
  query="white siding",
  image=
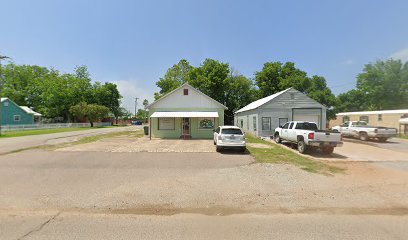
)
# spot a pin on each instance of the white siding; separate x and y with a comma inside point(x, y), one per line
point(194, 99)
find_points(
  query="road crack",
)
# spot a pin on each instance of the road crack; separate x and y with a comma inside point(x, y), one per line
point(39, 228)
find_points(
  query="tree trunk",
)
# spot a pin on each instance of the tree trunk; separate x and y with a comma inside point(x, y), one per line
point(91, 124)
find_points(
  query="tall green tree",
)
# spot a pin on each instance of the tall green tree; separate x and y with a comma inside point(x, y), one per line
point(145, 103)
point(351, 101)
point(107, 95)
point(240, 92)
point(276, 76)
point(91, 112)
point(211, 77)
point(174, 77)
point(385, 84)
point(52, 94)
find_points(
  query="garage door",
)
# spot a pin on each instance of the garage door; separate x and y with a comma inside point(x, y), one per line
point(307, 115)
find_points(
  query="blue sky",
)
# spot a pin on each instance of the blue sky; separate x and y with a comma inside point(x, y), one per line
point(132, 43)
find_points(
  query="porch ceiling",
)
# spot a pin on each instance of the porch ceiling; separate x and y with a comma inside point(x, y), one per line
point(184, 114)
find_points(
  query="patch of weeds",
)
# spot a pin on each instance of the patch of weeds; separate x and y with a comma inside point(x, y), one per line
point(278, 154)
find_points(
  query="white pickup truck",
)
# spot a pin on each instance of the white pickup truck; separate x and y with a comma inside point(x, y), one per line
point(307, 136)
point(360, 129)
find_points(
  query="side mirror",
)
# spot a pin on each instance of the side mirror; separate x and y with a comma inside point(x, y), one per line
point(280, 126)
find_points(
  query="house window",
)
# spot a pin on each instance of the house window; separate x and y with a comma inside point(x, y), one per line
point(292, 96)
point(6, 104)
point(242, 123)
point(346, 118)
point(364, 118)
point(166, 124)
point(205, 123)
point(379, 117)
point(17, 118)
point(185, 92)
point(254, 123)
point(266, 123)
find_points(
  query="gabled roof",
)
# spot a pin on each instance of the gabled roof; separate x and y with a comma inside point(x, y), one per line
point(30, 111)
point(262, 101)
point(24, 108)
point(183, 85)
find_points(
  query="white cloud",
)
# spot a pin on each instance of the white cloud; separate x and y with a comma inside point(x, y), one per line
point(401, 55)
point(130, 90)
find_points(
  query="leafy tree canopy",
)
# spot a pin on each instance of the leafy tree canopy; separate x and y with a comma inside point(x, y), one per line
point(385, 85)
point(52, 94)
point(91, 112)
point(174, 77)
point(276, 76)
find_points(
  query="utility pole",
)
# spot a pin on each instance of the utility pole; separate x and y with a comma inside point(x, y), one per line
point(136, 106)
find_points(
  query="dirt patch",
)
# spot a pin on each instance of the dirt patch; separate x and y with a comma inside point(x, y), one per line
point(258, 145)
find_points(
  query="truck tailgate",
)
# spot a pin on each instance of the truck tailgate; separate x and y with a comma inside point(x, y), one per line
point(327, 136)
point(387, 131)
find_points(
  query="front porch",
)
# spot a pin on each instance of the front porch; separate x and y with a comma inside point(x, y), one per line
point(183, 125)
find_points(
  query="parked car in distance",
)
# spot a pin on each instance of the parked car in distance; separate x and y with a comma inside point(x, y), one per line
point(229, 137)
point(361, 130)
point(307, 136)
point(136, 122)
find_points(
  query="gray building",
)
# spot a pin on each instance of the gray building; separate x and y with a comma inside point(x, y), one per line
point(264, 115)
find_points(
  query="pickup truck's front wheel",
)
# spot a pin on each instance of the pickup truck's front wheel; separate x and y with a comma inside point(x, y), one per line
point(301, 146)
point(277, 138)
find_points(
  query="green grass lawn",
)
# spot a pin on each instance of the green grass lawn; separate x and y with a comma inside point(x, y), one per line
point(403, 137)
point(43, 131)
point(278, 154)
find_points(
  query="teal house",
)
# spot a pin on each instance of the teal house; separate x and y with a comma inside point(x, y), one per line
point(13, 114)
point(185, 113)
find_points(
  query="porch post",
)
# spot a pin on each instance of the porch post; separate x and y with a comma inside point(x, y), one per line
point(150, 128)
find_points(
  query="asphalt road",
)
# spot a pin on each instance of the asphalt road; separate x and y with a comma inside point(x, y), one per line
point(16, 143)
point(195, 226)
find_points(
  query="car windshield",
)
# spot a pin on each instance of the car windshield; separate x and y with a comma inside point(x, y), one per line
point(306, 126)
point(232, 131)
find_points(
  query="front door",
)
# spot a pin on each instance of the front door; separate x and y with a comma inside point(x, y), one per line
point(185, 126)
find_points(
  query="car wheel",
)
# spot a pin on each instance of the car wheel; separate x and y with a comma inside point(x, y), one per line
point(215, 143)
point(327, 150)
point(382, 139)
point(363, 136)
point(243, 149)
point(277, 138)
point(301, 146)
point(218, 149)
